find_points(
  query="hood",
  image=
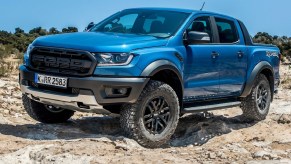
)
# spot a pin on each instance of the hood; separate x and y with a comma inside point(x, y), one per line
point(100, 42)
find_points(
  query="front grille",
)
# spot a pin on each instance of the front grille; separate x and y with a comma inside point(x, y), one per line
point(62, 61)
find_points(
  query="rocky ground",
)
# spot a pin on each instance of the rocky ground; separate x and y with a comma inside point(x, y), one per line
point(90, 138)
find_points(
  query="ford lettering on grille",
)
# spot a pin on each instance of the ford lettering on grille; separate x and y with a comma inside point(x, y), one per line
point(58, 62)
point(61, 61)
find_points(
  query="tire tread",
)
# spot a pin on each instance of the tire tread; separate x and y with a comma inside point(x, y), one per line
point(38, 112)
point(128, 118)
point(249, 107)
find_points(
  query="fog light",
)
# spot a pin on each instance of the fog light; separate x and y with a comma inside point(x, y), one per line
point(116, 92)
point(122, 91)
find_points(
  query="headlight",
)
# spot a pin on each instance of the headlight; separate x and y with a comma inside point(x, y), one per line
point(29, 48)
point(113, 59)
point(26, 55)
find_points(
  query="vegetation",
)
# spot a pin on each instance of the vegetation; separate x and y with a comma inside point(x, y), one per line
point(284, 43)
point(17, 42)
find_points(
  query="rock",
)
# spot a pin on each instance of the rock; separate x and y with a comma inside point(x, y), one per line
point(4, 105)
point(131, 143)
point(121, 146)
point(274, 156)
point(14, 107)
point(286, 140)
point(265, 157)
point(10, 88)
point(256, 139)
point(11, 112)
point(2, 83)
point(17, 95)
point(126, 144)
point(102, 139)
point(261, 144)
point(8, 100)
point(236, 148)
point(212, 155)
point(184, 153)
point(190, 146)
point(6, 111)
point(270, 162)
point(18, 115)
point(2, 99)
point(260, 154)
point(14, 84)
point(284, 119)
point(221, 155)
point(173, 151)
point(279, 152)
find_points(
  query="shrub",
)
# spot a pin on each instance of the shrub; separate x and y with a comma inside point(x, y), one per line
point(6, 68)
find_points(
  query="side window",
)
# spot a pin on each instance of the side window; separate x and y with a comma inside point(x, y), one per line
point(201, 24)
point(227, 31)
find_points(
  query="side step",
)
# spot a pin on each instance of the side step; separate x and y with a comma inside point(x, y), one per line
point(211, 107)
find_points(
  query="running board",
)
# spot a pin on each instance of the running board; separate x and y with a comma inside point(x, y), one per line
point(211, 107)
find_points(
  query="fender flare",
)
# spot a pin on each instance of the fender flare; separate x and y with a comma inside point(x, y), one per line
point(160, 65)
point(250, 81)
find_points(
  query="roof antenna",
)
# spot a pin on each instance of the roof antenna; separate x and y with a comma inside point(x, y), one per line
point(202, 6)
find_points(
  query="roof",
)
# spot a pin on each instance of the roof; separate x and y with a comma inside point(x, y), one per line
point(165, 9)
point(178, 10)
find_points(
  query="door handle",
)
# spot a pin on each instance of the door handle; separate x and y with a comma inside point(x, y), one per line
point(240, 54)
point(214, 55)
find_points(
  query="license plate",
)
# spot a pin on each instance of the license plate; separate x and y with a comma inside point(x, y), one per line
point(51, 80)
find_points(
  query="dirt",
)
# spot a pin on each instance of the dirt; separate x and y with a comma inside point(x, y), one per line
point(218, 137)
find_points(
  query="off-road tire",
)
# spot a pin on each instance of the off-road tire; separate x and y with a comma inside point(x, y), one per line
point(250, 108)
point(113, 108)
point(40, 113)
point(132, 116)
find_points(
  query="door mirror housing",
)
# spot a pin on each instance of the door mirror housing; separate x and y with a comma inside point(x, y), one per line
point(196, 37)
point(90, 25)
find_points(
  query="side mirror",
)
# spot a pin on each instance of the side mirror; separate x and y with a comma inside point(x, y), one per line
point(195, 37)
point(90, 25)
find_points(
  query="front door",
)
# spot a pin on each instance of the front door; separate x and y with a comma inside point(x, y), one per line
point(201, 78)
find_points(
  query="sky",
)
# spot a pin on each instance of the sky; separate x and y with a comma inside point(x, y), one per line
point(272, 16)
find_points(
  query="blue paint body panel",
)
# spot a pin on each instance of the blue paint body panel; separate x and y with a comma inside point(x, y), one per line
point(203, 77)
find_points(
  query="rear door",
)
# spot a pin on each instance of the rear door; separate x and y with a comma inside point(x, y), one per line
point(232, 61)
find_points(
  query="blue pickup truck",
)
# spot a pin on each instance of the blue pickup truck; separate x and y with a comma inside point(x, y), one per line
point(150, 65)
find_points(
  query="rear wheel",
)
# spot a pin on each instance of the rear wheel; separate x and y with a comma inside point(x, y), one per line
point(256, 105)
point(152, 120)
point(45, 113)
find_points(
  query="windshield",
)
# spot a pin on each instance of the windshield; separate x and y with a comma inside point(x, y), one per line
point(143, 22)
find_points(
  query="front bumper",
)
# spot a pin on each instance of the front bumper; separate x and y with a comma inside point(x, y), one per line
point(91, 90)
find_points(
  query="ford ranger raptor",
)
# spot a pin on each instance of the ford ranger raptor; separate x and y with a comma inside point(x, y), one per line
point(150, 65)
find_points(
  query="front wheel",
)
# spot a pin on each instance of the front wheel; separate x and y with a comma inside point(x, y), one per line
point(256, 106)
point(152, 120)
point(45, 113)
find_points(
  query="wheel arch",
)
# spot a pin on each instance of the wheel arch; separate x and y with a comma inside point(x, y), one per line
point(167, 72)
point(261, 68)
